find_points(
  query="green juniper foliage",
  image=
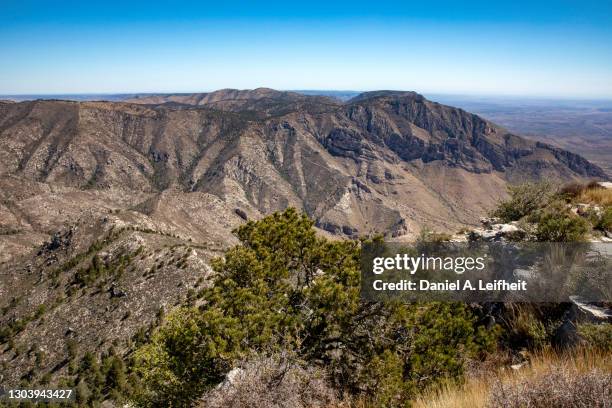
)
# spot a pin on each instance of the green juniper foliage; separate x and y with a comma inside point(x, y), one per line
point(285, 288)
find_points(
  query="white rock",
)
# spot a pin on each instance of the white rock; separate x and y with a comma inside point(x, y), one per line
point(518, 366)
point(508, 228)
point(605, 184)
point(597, 312)
point(523, 273)
point(233, 375)
point(231, 378)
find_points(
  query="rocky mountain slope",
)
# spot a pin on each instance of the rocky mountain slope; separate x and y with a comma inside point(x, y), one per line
point(110, 212)
point(383, 162)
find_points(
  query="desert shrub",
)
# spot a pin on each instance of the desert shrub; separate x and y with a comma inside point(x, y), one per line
point(597, 335)
point(525, 329)
point(603, 222)
point(524, 200)
point(272, 382)
point(285, 288)
point(382, 380)
point(40, 310)
point(428, 235)
point(72, 348)
point(572, 190)
point(558, 225)
point(559, 387)
point(87, 276)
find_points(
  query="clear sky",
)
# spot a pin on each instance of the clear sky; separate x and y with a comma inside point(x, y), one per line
point(534, 48)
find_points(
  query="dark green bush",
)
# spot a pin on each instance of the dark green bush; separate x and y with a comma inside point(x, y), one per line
point(604, 222)
point(561, 226)
point(597, 335)
point(524, 200)
point(285, 288)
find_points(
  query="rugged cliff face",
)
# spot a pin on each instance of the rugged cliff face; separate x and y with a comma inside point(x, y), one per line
point(110, 211)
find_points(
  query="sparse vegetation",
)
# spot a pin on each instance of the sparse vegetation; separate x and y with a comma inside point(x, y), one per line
point(17, 325)
point(95, 247)
point(273, 382)
point(569, 214)
point(581, 378)
point(558, 387)
point(428, 235)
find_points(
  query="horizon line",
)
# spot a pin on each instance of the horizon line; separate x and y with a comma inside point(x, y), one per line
point(298, 90)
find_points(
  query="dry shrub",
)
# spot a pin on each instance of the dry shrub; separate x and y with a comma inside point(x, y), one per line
point(580, 378)
point(572, 190)
point(525, 329)
point(560, 387)
point(593, 184)
point(600, 196)
point(273, 382)
point(428, 235)
point(592, 193)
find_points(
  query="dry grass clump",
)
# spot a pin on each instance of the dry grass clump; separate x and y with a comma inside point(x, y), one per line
point(600, 196)
point(580, 379)
point(591, 193)
point(559, 387)
point(273, 382)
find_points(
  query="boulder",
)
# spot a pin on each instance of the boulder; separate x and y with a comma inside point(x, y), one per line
point(495, 232)
point(116, 293)
point(487, 222)
point(584, 311)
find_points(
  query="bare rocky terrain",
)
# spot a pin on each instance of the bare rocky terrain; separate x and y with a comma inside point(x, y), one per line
point(581, 126)
point(110, 212)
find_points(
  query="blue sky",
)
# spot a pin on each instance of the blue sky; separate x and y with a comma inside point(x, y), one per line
point(546, 49)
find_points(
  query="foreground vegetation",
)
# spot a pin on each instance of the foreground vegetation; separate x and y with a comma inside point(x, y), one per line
point(286, 290)
point(580, 378)
point(287, 301)
point(282, 324)
point(575, 212)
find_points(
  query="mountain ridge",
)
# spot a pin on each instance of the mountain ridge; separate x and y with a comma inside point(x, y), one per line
point(217, 146)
